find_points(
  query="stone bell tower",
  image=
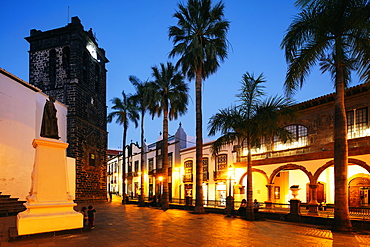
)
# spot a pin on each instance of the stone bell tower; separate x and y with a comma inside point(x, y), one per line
point(68, 64)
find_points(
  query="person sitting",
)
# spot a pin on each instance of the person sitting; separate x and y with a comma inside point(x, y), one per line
point(256, 206)
point(242, 208)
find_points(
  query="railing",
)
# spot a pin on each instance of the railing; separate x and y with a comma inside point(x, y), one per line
point(279, 208)
point(219, 175)
point(362, 212)
point(187, 178)
point(205, 176)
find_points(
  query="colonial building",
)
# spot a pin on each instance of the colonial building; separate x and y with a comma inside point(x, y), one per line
point(68, 64)
point(153, 173)
point(306, 161)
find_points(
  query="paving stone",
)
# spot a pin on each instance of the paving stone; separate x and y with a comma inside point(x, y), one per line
point(130, 225)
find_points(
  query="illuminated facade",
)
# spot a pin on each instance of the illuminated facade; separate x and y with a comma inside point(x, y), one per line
point(306, 161)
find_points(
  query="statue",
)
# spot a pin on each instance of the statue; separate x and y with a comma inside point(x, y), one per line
point(49, 125)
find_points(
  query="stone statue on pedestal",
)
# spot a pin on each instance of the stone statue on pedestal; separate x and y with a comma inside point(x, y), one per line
point(49, 125)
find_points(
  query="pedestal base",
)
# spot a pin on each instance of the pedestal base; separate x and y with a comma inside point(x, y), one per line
point(44, 217)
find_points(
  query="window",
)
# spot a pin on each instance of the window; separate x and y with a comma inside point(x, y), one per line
point(169, 160)
point(221, 162)
point(66, 60)
point(129, 168)
point(52, 66)
point(97, 77)
point(151, 164)
point(299, 138)
point(205, 169)
point(92, 159)
point(357, 123)
point(136, 165)
point(188, 166)
point(277, 192)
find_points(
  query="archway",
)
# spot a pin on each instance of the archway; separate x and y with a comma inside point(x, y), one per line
point(359, 191)
point(260, 179)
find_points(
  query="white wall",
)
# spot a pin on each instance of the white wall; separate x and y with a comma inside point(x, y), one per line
point(21, 107)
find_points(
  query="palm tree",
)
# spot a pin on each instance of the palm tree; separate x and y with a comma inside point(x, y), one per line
point(141, 100)
point(169, 97)
point(200, 42)
point(248, 123)
point(124, 112)
point(335, 31)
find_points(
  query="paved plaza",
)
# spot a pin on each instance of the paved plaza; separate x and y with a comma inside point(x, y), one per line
point(130, 225)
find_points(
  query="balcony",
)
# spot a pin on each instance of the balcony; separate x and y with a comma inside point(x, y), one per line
point(219, 175)
point(205, 176)
point(187, 178)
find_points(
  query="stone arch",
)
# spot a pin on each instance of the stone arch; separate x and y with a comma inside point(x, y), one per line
point(290, 167)
point(254, 170)
point(331, 163)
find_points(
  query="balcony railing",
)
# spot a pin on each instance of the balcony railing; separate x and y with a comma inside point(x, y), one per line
point(205, 176)
point(219, 175)
point(187, 178)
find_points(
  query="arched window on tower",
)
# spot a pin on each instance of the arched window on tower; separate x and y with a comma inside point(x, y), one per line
point(97, 77)
point(66, 61)
point(52, 67)
point(85, 66)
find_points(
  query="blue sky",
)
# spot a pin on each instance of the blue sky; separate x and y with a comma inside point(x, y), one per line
point(134, 35)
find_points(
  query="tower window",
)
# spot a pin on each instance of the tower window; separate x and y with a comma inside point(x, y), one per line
point(52, 66)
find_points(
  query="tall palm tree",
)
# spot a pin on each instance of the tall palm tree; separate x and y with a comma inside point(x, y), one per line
point(124, 111)
point(141, 100)
point(200, 42)
point(169, 97)
point(248, 123)
point(335, 31)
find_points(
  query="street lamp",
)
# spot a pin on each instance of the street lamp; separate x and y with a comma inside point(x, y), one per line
point(230, 173)
point(160, 185)
point(230, 200)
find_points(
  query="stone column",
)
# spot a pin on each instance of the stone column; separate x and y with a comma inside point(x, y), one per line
point(313, 204)
point(269, 201)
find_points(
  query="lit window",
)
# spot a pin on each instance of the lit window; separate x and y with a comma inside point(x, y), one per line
point(357, 123)
point(299, 138)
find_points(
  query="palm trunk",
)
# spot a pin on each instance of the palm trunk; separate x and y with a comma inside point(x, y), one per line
point(341, 208)
point(165, 201)
point(142, 163)
point(199, 209)
point(124, 164)
point(249, 210)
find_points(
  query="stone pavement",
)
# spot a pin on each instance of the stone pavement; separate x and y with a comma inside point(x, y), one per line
point(130, 225)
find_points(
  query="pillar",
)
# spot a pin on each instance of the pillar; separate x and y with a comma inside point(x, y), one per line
point(313, 204)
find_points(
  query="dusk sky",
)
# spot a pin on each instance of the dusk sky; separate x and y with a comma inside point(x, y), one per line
point(134, 35)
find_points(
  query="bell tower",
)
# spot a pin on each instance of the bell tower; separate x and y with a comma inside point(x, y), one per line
point(68, 64)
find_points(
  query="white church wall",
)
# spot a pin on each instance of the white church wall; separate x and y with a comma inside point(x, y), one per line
point(21, 107)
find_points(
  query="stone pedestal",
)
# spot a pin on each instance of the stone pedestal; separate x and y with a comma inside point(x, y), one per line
point(49, 204)
point(295, 212)
point(229, 205)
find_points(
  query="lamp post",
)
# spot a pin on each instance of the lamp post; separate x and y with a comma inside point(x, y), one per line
point(230, 199)
point(230, 173)
point(160, 188)
point(139, 174)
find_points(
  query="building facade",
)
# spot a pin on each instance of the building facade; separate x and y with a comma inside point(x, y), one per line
point(306, 161)
point(68, 64)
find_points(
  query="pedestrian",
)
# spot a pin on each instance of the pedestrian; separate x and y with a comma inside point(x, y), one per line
point(256, 206)
point(91, 216)
point(84, 213)
point(242, 208)
point(110, 196)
